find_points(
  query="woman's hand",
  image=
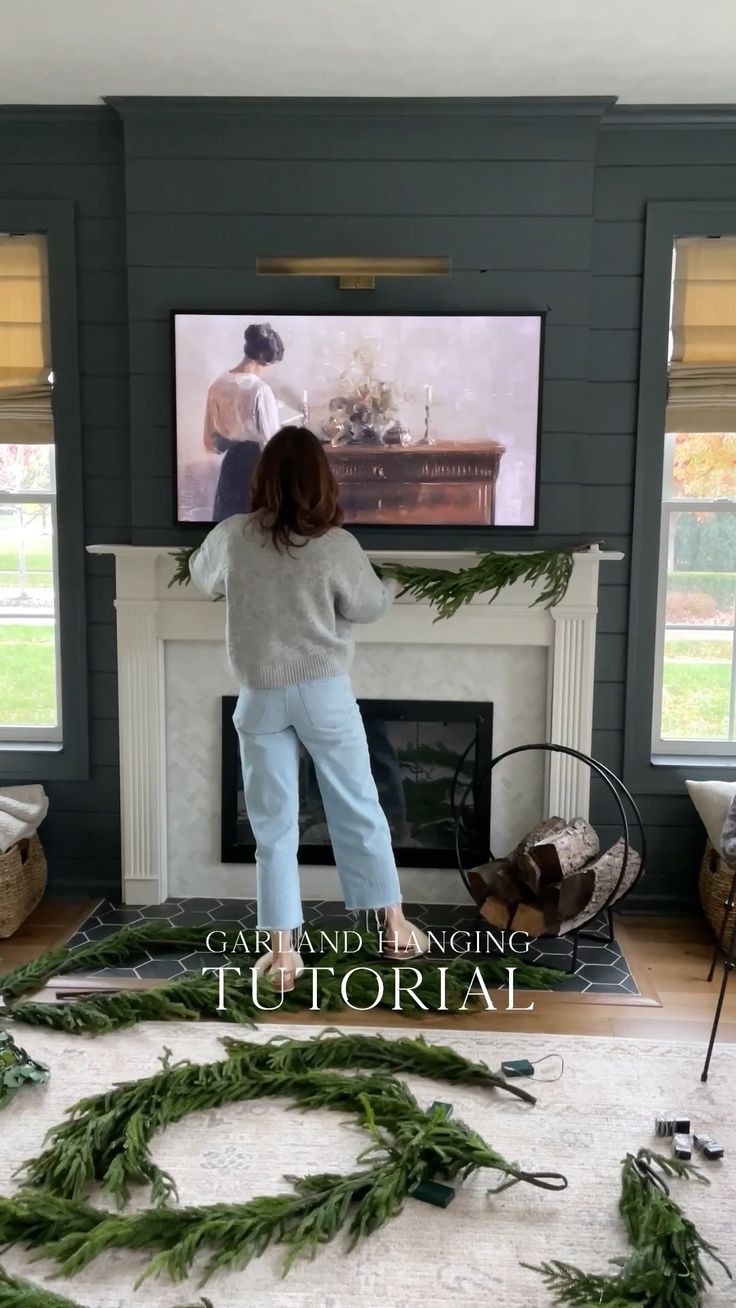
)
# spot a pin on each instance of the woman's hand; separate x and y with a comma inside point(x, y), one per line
point(219, 443)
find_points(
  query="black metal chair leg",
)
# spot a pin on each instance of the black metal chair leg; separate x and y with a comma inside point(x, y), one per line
point(718, 949)
point(728, 968)
point(729, 963)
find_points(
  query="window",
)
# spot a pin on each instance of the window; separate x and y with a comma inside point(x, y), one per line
point(695, 665)
point(30, 691)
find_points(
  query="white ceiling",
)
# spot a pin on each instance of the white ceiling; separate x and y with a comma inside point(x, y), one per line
point(643, 51)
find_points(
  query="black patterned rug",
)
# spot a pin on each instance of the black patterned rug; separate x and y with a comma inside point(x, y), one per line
point(601, 965)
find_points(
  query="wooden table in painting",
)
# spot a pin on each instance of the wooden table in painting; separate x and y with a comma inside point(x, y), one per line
point(452, 483)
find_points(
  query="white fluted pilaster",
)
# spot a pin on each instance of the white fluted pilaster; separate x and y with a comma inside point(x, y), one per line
point(142, 733)
point(571, 709)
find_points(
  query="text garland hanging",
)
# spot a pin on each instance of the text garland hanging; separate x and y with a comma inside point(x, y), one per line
point(441, 988)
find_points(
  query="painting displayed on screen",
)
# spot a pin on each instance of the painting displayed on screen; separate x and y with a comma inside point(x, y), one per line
point(430, 421)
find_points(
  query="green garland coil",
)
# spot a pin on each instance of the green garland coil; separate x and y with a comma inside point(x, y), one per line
point(107, 1139)
point(408, 1146)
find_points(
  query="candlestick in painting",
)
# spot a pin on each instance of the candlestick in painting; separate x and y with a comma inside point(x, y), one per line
point(427, 408)
point(305, 407)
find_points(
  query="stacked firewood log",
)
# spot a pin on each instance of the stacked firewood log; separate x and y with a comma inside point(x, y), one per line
point(550, 879)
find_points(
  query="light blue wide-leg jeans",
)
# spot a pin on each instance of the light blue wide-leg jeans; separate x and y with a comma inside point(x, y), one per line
point(325, 717)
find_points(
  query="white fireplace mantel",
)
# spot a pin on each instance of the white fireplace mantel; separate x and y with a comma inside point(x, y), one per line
point(151, 613)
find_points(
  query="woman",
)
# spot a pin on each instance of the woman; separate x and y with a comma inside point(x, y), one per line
point(241, 416)
point(295, 583)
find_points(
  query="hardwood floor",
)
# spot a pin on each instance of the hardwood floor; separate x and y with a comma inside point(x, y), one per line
point(52, 923)
point(669, 958)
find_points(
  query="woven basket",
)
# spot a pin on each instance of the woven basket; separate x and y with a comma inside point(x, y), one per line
point(22, 883)
point(716, 879)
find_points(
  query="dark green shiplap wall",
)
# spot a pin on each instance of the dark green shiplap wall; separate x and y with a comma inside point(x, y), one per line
point(77, 156)
point(540, 206)
point(508, 197)
point(639, 162)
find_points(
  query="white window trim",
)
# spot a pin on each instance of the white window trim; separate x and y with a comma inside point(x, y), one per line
point(15, 736)
point(715, 749)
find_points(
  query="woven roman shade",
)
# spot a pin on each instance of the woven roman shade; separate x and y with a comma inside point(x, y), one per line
point(25, 355)
point(702, 371)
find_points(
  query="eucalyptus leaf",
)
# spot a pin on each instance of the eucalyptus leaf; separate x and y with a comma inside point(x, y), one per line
point(17, 1068)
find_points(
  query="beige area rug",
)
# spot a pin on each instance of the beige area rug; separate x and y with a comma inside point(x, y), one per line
point(466, 1256)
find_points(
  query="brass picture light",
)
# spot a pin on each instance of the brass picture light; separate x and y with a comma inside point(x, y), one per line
point(353, 272)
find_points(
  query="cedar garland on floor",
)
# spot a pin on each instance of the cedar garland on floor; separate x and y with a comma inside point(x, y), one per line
point(408, 1146)
point(665, 1269)
point(107, 1139)
point(195, 996)
point(18, 1293)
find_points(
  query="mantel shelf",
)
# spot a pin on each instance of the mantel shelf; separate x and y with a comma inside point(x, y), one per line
point(459, 558)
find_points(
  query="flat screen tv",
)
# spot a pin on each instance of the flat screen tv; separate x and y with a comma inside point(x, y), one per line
point(426, 420)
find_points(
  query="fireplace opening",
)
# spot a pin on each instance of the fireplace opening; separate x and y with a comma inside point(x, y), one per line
point(425, 756)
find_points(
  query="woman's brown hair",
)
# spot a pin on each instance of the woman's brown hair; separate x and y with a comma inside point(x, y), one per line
point(294, 488)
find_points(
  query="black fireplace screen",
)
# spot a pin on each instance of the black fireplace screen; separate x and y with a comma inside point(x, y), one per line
point(425, 757)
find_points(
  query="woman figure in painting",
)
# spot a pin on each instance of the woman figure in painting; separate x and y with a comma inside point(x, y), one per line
point(241, 416)
point(295, 583)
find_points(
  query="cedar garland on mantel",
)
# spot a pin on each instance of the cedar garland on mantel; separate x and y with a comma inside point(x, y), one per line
point(448, 589)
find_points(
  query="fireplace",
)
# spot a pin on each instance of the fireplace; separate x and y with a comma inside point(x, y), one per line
point(535, 664)
point(428, 757)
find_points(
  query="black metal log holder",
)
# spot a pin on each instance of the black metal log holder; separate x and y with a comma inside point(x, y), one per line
point(729, 963)
point(620, 794)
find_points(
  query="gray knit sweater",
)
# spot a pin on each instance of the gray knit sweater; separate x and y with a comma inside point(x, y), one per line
point(289, 614)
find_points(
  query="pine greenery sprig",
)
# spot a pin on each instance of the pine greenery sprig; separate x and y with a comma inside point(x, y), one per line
point(181, 575)
point(125, 946)
point(18, 1293)
point(408, 1146)
point(193, 995)
point(15, 1292)
point(665, 1268)
point(448, 590)
point(107, 1139)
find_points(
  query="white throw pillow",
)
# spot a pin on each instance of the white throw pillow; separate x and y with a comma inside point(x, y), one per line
point(712, 799)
